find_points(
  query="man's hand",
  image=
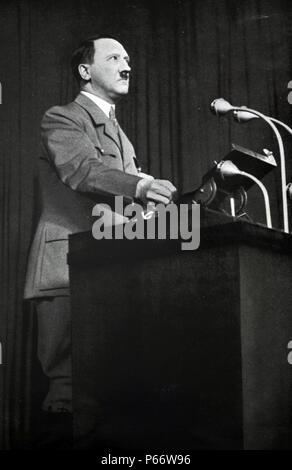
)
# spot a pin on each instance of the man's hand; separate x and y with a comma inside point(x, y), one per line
point(158, 191)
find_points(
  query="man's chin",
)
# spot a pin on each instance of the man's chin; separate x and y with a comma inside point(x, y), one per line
point(123, 88)
point(119, 93)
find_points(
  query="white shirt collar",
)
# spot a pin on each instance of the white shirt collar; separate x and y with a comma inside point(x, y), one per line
point(102, 104)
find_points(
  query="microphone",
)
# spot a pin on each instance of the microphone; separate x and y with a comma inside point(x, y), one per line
point(227, 170)
point(243, 116)
point(221, 107)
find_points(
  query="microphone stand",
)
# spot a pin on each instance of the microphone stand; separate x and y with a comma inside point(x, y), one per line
point(265, 194)
point(269, 120)
point(227, 169)
point(288, 129)
point(281, 151)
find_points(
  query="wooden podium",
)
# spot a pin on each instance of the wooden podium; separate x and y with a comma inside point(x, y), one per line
point(182, 350)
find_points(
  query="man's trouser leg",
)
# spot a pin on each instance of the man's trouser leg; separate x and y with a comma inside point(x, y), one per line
point(54, 351)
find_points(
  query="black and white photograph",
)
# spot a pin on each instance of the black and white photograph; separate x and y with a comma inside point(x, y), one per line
point(145, 228)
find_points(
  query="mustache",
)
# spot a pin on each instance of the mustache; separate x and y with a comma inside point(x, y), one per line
point(125, 75)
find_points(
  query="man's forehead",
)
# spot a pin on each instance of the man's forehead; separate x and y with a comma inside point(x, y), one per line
point(105, 46)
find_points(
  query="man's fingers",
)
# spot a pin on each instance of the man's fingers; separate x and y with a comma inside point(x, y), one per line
point(165, 188)
point(157, 198)
point(157, 187)
point(155, 190)
point(169, 187)
point(167, 184)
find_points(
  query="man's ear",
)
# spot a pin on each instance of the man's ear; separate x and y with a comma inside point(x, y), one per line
point(84, 72)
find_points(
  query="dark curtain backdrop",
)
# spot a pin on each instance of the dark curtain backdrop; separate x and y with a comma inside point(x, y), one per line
point(184, 54)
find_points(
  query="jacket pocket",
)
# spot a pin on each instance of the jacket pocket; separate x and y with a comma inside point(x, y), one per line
point(108, 147)
point(54, 272)
point(110, 158)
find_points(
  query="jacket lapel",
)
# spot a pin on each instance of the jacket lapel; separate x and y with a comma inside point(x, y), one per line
point(128, 154)
point(98, 117)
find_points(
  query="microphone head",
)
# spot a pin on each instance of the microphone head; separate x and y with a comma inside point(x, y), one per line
point(243, 116)
point(220, 106)
point(227, 169)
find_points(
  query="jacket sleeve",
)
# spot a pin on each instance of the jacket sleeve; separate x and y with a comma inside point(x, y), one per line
point(77, 161)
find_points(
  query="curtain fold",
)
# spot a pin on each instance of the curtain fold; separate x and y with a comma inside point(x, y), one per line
point(183, 54)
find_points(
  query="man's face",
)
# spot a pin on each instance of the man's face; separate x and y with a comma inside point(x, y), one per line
point(110, 70)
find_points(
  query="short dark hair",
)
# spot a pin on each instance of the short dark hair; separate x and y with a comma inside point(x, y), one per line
point(85, 53)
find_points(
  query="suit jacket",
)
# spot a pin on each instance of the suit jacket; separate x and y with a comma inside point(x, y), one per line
point(83, 162)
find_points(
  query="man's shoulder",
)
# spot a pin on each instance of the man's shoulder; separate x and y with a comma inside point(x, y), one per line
point(72, 111)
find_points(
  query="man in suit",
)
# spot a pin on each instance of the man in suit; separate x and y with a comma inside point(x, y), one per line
point(86, 159)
